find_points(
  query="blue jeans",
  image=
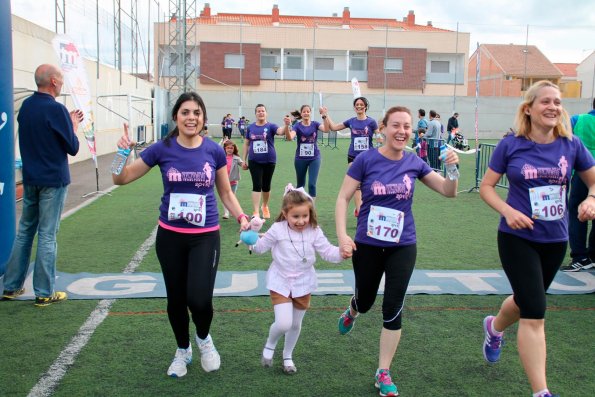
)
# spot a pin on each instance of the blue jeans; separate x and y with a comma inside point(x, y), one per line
point(42, 208)
point(301, 168)
point(577, 230)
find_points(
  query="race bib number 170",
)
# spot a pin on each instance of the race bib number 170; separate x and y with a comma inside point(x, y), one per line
point(385, 224)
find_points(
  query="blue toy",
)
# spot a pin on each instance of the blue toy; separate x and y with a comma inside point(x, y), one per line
point(249, 237)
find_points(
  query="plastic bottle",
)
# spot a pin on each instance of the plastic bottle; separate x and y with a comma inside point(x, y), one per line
point(120, 160)
point(451, 169)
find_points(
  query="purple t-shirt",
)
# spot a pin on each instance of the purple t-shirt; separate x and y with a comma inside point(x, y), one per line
point(307, 148)
point(387, 184)
point(190, 171)
point(261, 148)
point(530, 166)
point(362, 132)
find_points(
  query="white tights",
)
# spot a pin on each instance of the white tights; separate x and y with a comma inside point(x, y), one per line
point(288, 322)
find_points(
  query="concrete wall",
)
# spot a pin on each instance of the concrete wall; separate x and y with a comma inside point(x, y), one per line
point(496, 115)
point(32, 46)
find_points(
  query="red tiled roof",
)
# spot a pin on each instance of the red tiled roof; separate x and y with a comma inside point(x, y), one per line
point(309, 21)
point(567, 69)
point(511, 59)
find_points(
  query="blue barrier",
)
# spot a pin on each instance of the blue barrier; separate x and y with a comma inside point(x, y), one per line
point(7, 163)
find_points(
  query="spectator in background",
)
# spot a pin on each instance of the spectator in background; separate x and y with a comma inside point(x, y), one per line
point(422, 125)
point(433, 138)
point(47, 135)
point(582, 254)
point(452, 127)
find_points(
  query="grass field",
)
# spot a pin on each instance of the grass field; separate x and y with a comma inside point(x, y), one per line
point(440, 352)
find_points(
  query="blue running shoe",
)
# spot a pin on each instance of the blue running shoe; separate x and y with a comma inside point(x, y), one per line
point(346, 322)
point(492, 344)
point(384, 383)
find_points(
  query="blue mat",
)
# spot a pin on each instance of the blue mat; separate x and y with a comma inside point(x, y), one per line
point(338, 282)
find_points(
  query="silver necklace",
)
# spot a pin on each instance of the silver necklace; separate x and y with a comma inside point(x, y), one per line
point(303, 256)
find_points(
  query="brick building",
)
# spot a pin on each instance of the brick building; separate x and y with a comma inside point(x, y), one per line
point(292, 53)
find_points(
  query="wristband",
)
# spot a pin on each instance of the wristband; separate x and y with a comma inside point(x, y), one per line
point(239, 218)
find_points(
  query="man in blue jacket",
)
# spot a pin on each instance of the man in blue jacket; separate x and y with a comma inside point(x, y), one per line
point(46, 138)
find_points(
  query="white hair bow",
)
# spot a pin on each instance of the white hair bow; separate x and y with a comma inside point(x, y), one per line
point(290, 188)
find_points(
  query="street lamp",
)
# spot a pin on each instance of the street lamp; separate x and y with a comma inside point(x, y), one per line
point(276, 69)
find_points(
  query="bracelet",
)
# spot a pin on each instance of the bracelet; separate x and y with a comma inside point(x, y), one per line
point(239, 218)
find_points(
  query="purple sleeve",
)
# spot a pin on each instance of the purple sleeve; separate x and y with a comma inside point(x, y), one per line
point(498, 160)
point(356, 170)
point(219, 157)
point(150, 154)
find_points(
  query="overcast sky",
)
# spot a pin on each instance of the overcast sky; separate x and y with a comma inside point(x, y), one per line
point(564, 30)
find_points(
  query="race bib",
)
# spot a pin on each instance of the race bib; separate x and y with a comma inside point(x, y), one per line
point(259, 147)
point(190, 207)
point(307, 150)
point(385, 224)
point(361, 143)
point(548, 203)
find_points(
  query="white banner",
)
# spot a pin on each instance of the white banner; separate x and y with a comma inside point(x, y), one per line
point(75, 79)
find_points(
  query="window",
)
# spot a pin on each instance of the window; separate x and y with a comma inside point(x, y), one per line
point(393, 65)
point(234, 61)
point(440, 67)
point(357, 63)
point(293, 62)
point(324, 63)
point(268, 61)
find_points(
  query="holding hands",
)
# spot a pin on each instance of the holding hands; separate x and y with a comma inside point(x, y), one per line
point(346, 246)
point(586, 209)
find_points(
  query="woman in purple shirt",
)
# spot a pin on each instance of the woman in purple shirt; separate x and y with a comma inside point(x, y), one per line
point(385, 240)
point(538, 160)
point(362, 130)
point(307, 154)
point(187, 242)
point(260, 157)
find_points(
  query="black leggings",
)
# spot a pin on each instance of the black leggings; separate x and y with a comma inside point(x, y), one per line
point(262, 175)
point(396, 264)
point(189, 264)
point(530, 267)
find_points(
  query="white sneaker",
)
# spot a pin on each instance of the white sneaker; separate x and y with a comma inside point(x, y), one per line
point(209, 356)
point(183, 357)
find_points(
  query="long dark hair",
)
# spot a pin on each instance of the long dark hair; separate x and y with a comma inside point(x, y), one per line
point(186, 96)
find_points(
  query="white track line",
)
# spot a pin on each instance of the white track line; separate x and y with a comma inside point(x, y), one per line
point(47, 383)
point(86, 203)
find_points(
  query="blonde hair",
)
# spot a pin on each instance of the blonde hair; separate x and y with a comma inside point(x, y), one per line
point(522, 121)
point(294, 198)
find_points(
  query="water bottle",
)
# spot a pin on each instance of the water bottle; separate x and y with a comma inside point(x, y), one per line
point(451, 169)
point(120, 160)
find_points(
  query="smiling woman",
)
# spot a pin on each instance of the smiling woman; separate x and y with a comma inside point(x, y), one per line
point(188, 241)
point(385, 238)
point(538, 160)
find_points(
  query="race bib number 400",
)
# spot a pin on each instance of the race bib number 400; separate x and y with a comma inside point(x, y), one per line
point(385, 224)
point(548, 203)
point(190, 207)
